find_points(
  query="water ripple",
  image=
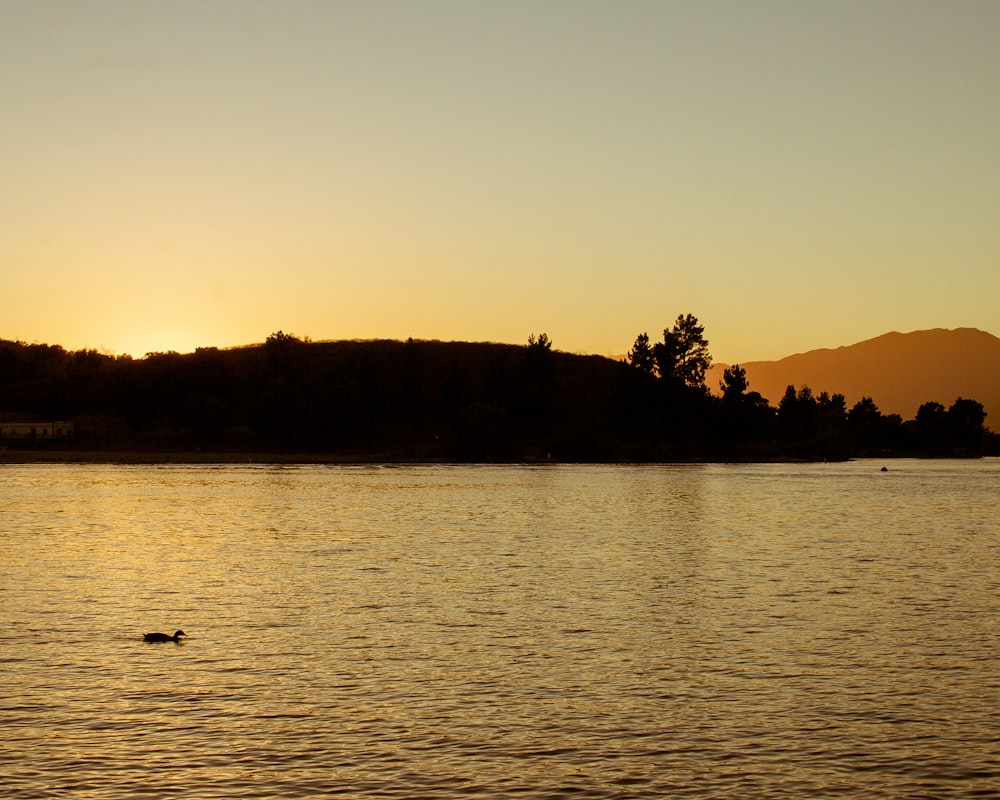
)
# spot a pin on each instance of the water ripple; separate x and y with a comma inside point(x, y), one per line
point(771, 631)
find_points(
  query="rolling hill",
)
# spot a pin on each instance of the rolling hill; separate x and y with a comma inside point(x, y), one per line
point(899, 371)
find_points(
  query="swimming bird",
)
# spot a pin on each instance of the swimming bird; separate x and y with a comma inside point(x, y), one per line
point(163, 637)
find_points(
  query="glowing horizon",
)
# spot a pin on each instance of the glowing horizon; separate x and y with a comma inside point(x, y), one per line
point(199, 175)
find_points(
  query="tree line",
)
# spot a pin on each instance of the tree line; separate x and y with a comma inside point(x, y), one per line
point(428, 400)
point(803, 424)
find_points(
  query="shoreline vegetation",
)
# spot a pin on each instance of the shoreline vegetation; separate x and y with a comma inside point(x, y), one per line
point(293, 401)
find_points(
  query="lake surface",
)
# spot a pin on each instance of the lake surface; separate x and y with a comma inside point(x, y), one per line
point(765, 631)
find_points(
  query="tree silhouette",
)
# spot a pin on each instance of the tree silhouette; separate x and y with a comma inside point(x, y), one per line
point(746, 416)
point(683, 354)
point(734, 383)
point(540, 343)
point(965, 423)
point(641, 355)
point(931, 426)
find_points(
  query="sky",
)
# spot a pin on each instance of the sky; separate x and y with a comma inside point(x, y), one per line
point(795, 174)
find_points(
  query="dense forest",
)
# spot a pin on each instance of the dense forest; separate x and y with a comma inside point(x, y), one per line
point(449, 401)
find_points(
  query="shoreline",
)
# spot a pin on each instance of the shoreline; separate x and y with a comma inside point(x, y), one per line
point(196, 457)
point(264, 458)
point(190, 457)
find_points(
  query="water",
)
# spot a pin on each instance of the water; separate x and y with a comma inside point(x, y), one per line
point(767, 631)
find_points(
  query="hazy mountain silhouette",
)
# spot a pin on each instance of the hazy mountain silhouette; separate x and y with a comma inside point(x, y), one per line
point(899, 371)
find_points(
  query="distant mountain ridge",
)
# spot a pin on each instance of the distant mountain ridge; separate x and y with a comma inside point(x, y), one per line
point(899, 371)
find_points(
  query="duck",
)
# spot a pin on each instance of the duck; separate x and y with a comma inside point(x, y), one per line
point(163, 637)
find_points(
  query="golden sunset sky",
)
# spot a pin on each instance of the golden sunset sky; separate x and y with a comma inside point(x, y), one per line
point(796, 174)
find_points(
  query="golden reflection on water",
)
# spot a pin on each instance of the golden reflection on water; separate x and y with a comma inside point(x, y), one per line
point(705, 631)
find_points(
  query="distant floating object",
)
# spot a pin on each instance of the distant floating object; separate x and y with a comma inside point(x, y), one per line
point(163, 637)
point(885, 469)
